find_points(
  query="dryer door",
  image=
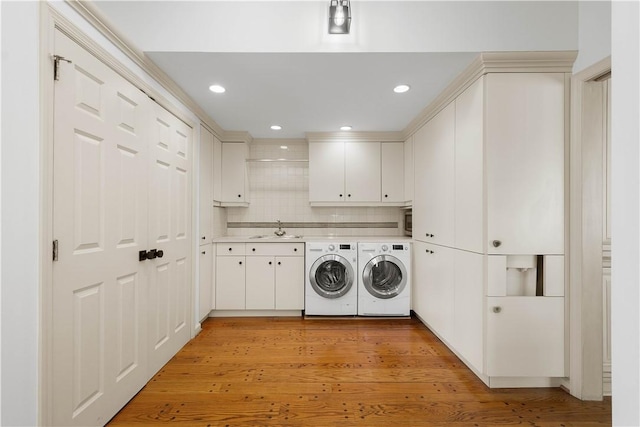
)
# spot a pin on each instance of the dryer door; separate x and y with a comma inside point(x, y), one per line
point(384, 276)
point(331, 276)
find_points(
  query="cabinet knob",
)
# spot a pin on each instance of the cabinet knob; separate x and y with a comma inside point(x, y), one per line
point(253, 249)
point(340, 195)
point(496, 309)
point(496, 243)
point(386, 195)
point(240, 262)
point(230, 249)
point(239, 195)
point(204, 237)
point(348, 195)
point(270, 262)
point(279, 263)
point(295, 249)
point(204, 252)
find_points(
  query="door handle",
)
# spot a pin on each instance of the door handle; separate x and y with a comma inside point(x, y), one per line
point(152, 254)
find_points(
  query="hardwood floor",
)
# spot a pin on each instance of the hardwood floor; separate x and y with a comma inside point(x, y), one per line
point(329, 372)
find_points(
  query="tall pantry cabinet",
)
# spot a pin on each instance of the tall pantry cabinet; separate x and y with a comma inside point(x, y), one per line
point(489, 226)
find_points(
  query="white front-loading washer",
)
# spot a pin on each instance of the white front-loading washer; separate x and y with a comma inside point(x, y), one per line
point(384, 275)
point(331, 282)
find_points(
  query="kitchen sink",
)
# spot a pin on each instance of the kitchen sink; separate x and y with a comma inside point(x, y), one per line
point(274, 237)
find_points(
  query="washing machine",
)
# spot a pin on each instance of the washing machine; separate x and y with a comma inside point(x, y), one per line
point(384, 275)
point(331, 282)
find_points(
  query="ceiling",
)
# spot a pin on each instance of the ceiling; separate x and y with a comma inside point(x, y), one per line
point(279, 66)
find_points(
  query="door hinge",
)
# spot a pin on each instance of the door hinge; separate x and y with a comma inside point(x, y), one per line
point(55, 250)
point(56, 66)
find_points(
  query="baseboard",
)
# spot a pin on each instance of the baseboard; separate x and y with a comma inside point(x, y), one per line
point(256, 313)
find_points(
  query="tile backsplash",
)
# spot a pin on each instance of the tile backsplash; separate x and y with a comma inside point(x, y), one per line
point(280, 191)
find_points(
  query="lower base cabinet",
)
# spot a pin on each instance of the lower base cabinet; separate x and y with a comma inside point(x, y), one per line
point(267, 276)
point(501, 336)
point(205, 304)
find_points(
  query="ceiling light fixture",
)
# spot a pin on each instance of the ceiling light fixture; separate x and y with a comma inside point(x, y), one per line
point(339, 17)
point(283, 147)
point(217, 89)
point(276, 127)
point(345, 127)
point(401, 88)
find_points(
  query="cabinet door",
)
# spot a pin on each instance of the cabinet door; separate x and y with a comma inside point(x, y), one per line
point(362, 171)
point(326, 172)
point(468, 298)
point(392, 158)
point(260, 283)
point(439, 290)
point(420, 276)
point(525, 336)
point(525, 162)
point(205, 281)
point(469, 223)
point(234, 158)
point(206, 185)
point(434, 168)
point(408, 170)
point(289, 283)
point(217, 170)
point(230, 283)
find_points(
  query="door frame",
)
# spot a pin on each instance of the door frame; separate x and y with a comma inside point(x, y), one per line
point(50, 21)
point(585, 289)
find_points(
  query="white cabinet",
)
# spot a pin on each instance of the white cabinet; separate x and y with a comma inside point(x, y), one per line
point(433, 200)
point(469, 128)
point(260, 283)
point(524, 119)
point(393, 174)
point(205, 282)
point(234, 171)
point(408, 170)
point(439, 289)
point(289, 283)
point(525, 336)
point(260, 276)
point(468, 307)
point(326, 172)
point(230, 278)
point(362, 171)
point(206, 185)
point(217, 170)
point(357, 173)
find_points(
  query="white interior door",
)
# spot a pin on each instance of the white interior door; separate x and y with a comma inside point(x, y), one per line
point(99, 220)
point(169, 232)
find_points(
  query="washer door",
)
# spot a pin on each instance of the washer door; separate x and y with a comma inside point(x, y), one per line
point(331, 276)
point(384, 276)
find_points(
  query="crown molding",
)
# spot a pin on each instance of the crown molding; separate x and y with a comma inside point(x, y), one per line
point(351, 136)
point(493, 62)
point(279, 141)
point(93, 16)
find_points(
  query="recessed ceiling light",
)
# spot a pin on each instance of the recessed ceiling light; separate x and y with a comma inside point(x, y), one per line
point(345, 128)
point(284, 147)
point(217, 89)
point(276, 127)
point(401, 88)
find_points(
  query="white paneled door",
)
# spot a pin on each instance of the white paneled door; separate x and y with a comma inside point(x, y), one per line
point(102, 312)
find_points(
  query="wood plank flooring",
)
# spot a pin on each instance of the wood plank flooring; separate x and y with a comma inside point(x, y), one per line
point(330, 372)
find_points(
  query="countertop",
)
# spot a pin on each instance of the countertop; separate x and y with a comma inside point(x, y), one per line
point(303, 239)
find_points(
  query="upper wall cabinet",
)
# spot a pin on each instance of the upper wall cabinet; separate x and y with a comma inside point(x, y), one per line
point(355, 173)
point(408, 171)
point(206, 185)
point(234, 174)
point(524, 119)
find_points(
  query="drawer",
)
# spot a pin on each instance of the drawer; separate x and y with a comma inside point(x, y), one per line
point(275, 249)
point(230, 249)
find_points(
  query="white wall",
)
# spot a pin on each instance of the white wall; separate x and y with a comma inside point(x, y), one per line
point(377, 26)
point(20, 212)
point(594, 33)
point(625, 137)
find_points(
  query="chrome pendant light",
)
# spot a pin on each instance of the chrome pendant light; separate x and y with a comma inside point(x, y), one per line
point(339, 17)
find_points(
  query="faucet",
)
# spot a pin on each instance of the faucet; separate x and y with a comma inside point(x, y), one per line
point(279, 232)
